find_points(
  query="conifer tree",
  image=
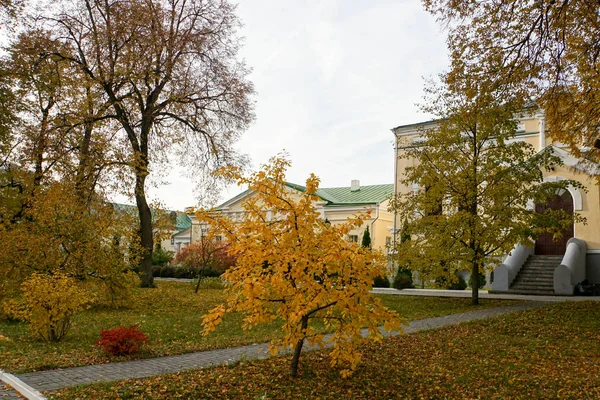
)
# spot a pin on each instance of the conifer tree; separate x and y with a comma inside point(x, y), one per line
point(366, 239)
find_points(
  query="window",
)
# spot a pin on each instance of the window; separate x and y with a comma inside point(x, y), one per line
point(218, 238)
point(172, 241)
point(353, 238)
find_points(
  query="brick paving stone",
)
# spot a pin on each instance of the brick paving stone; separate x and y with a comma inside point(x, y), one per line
point(8, 393)
point(56, 379)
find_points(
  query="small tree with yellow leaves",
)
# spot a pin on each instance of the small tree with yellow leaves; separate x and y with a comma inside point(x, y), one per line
point(294, 266)
point(49, 305)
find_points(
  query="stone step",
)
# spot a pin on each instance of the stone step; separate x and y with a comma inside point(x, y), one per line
point(540, 265)
point(541, 288)
point(536, 273)
point(546, 256)
point(542, 262)
point(523, 285)
point(537, 270)
point(530, 261)
point(544, 277)
point(529, 292)
point(534, 279)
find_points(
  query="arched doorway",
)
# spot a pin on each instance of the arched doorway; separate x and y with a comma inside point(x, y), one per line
point(544, 244)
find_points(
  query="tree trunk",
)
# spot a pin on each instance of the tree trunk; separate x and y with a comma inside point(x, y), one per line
point(146, 237)
point(82, 175)
point(475, 283)
point(298, 349)
point(200, 277)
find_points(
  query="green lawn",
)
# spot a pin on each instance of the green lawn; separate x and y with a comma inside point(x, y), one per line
point(171, 315)
point(549, 352)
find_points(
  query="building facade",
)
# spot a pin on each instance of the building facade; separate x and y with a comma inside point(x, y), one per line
point(335, 205)
point(533, 130)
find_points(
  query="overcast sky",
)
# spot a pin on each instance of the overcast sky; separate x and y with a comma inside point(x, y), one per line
point(332, 78)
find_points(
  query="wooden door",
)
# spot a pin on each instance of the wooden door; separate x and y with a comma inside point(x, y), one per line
point(544, 244)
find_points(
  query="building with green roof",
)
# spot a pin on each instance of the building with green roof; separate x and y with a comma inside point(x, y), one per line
point(336, 204)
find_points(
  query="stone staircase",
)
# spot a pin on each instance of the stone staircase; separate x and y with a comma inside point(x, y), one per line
point(536, 276)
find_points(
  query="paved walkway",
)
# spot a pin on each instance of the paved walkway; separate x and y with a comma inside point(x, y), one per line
point(56, 379)
point(8, 393)
point(483, 294)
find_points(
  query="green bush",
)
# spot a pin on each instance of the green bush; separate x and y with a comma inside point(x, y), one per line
point(161, 256)
point(481, 280)
point(403, 279)
point(167, 272)
point(458, 284)
point(211, 273)
point(180, 271)
point(381, 282)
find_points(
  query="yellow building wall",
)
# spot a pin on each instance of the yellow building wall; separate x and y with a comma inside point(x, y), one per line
point(529, 133)
point(588, 231)
point(380, 220)
point(530, 124)
point(533, 140)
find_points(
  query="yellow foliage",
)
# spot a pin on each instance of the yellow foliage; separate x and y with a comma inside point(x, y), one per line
point(50, 302)
point(113, 290)
point(298, 268)
point(58, 233)
point(15, 309)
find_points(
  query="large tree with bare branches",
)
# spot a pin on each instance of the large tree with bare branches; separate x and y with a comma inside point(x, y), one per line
point(169, 72)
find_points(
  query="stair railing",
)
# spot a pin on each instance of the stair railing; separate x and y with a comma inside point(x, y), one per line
point(505, 273)
point(571, 270)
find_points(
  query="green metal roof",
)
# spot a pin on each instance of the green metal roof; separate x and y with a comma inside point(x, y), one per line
point(182, 221)
point(365, 195)
point(296, 186)
point(338, 196)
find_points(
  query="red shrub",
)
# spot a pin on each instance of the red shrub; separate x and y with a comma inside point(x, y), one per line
point(121, 341)
point(206, 255)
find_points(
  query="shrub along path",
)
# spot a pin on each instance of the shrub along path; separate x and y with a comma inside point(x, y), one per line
point(56, 379)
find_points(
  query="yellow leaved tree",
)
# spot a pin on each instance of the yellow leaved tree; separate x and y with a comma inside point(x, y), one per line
point(294, 266)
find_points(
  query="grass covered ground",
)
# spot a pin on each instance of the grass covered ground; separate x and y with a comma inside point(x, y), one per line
point(171, 315)
point(550, 352)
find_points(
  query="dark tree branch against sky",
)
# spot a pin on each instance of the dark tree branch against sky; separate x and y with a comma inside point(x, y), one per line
point(168, 70)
